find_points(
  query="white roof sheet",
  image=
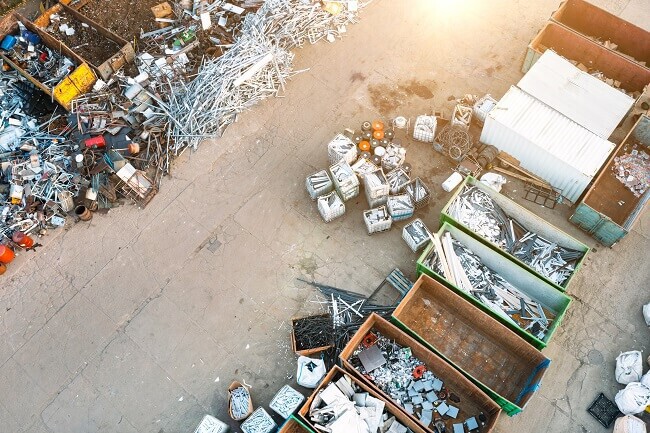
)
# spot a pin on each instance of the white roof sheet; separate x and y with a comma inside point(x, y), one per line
point(551, 131)
point(579, 96)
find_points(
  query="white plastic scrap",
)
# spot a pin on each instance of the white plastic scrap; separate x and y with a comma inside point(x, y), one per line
point(629, 367)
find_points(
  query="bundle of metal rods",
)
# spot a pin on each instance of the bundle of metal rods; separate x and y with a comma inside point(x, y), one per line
point(348, 310)
point(475, 209)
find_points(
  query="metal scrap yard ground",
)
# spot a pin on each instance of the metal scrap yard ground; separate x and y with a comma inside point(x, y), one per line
point(139, 320)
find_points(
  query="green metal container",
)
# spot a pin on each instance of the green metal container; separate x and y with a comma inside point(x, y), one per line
point(609, 210)
point(294, 425)
point(520, 277)
point(525, 217)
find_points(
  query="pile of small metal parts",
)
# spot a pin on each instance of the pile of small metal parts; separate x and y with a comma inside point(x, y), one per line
point(313, 332)
point(344, 407)
point(259, 422)
point(633, 170)
point(239, 402)
point(469, 274)
point(408, 382)
point(36, 170)
point(476, 210)
point(286, 401)
point(48, 66)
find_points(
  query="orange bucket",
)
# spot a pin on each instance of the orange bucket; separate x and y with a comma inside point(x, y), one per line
point(22, 239)
point(6, 254)
point(378, 135)
point(377, 125)
point(3, 268)
point(364, 145)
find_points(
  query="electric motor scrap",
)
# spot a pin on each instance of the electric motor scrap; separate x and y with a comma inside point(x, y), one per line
point(406, 379)
point(120, 139)
point(476, 210)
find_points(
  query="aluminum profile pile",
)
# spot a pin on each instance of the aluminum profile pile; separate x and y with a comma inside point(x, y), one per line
point(476, 210)
point(472, 276)
point(255, 67)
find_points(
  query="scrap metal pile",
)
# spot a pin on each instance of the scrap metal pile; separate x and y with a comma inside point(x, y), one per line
point(120, 139)
point(471, 275)
point(633, 170)
point(476, 210)
point(344, 407)
point(408, 381)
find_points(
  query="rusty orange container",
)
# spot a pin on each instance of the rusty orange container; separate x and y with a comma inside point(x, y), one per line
point(377, 125)
point(3, 268)
point(23, 240)
point(6, 254)
point(378, 134)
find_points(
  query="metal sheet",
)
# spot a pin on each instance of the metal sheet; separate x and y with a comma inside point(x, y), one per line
point(581, 97)
point(546, 142)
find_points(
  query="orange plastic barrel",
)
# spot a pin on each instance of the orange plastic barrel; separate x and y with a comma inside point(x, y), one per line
point(6, 254)
point(364, 145)
point(3, 268)
point(378, 135)
point(377, 125)
point(23, 240)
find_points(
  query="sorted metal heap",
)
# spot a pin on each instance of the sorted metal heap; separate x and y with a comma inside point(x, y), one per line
point(486, 285)
point(476, 210)
point(408, 381)
point(633, 170)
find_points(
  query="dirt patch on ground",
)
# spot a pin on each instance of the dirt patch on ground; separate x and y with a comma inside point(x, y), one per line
point(123, 17)
point(7, 5)
point(85, 41)
point(387, 99)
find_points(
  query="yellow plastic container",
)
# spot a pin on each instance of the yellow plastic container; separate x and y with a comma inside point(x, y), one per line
point(78, 82)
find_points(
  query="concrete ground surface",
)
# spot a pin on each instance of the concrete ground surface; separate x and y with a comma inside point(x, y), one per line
point(139, 320)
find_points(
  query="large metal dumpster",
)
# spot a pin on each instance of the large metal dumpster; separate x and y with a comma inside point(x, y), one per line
point(500, 362)
point(335, 374)
point(601, 26)
point(609, 209)
point(474, 401)
point(632, 76)
point(523, 279)
point(75, 84)
point(527, 219)
point(119, 50)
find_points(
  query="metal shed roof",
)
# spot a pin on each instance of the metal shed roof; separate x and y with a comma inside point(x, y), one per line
point(546, 142)
point(581, 97)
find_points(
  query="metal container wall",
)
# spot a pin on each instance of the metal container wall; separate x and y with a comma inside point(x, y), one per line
point(336, 373)
point(633, 77)
point(593, 22)
point(493, 357)
point(469, 393)
point(294, 425)
point(525, 217)
point(601, 213)
point(578, 95)
point(546, 143)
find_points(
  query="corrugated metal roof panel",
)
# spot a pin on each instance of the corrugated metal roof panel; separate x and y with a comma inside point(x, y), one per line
point(579, 96)
point(546, 142)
